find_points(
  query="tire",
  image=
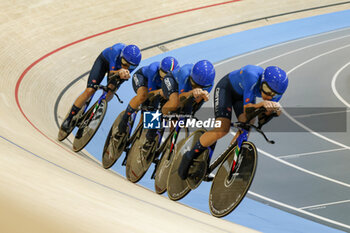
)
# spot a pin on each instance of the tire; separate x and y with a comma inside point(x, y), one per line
point(62, 134)
point(111, 153)
point(88, 128)
point(162, 172)
point(137, 163)
point(225, 195)
point(176, 187)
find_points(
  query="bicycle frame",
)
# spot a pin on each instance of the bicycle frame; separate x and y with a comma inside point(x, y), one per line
point(161, 146)
point(103, 96)
point(174, 135)
point(131, 139)
point(130, 125)
point(243, 137)
point(174, 132)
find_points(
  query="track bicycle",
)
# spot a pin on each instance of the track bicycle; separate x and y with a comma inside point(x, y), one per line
point(236, 169)
point(88, 121)
point(139, 160)
point(115, 145)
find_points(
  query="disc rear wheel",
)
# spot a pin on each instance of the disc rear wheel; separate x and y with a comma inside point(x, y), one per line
point(176, 187)
point(162, 172)
point(138, 160)
point(198, 170)
point(113, 149)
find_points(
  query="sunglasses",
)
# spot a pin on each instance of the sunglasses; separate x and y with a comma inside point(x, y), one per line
point(268, 90)
point(126, 64)
point(162, 73)
point(196, 85)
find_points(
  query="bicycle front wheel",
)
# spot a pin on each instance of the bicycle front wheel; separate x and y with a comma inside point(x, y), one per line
point(89, 125)
point(227, 192)
point(113, 149)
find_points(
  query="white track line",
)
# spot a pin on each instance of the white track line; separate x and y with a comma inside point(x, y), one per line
point(305, 47)
point(316, 57)
point(278, 45)
point(292, 118)
point(325, 204)
point(299, 210)
point(334, 88)
point(302, 169)
point(303, 126)
point(314, 133)
point(320, 114)
point(308, 153)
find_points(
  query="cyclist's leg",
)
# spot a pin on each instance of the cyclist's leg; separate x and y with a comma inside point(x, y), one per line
point(139, 83)
point(223, 111)
point(207, 139)
point(210, 137)
point(99, 69)
point(238, 108)
point(84, 97)
point(97, 73)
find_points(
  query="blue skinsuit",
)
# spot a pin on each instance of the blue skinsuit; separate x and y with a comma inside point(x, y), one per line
point(246, 82)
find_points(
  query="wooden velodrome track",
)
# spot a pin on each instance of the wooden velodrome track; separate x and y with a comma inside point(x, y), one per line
point(44, 186)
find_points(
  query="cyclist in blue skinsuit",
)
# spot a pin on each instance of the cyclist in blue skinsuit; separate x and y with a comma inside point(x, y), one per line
point(119, 60)
point(238, 90)
point(147, 79)
point(196, 80)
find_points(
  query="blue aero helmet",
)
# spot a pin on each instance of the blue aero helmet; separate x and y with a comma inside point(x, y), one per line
point(203, 73)
point(276, 79)
point(132, 54)
point(168, 64)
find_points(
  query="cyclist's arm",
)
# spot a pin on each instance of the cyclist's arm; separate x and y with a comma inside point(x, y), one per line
point(251, 105)
point(121, 73)
point(172, 104)
point(271, 107)
point(264, 117)
point(243, 117)
point(186, 94)
point(198, 93)
point(156, 92)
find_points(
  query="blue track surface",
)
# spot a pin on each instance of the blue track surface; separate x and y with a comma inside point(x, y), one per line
point(250, 213)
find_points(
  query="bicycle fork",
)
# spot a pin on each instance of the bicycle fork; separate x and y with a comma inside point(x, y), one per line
point(236, 159)
point(130, 140)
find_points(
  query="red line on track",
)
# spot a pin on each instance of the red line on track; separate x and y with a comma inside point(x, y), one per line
point(89, 37)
